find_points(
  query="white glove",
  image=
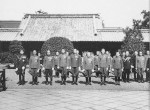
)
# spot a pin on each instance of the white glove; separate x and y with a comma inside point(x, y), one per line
point(43, 69)
point(132, 66)
point(79, 68)
point(83, 70)
point(23, 68)
point(106, 69)
point(112, 69)
point(92, 70)
point(38, 70)
point(147, 69)
point(16, 69)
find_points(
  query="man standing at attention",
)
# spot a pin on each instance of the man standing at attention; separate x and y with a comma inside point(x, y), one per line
point(75, 63)
point(103, 66)
point(21, 66)
point(48, 66)
point(63, 66)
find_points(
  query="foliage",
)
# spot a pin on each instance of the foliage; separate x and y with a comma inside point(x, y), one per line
point(15, 47)
point(144, 23)
point(133, 40)
point(56, 44)
point(3, 56)
point(11, 56)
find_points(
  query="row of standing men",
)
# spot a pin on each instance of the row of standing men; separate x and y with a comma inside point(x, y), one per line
point(102, 64)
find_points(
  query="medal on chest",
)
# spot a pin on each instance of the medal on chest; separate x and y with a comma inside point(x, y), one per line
point(76, 57)
point(49, 58)
point(36, 59)
point(89, 60)
point(23, 58)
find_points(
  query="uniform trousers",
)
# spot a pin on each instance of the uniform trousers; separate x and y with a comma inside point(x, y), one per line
point(75, 73)
point(21, 75)
point(147, 75)
point(140, 72)
point(88, 73)
point(48, 73)
point(126, 74)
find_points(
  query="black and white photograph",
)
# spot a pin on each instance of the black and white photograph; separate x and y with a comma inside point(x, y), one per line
point(74, 55)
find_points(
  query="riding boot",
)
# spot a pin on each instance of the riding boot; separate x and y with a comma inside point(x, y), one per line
point(62, 80)
point(73, 80)
point(89, 80)
point(86, 80)
point(76, 80)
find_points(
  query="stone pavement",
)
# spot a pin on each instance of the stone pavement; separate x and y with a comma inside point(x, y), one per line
point(45, 99)
point(128, 96)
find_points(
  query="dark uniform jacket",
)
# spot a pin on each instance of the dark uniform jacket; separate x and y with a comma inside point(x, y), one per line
point(117, 62)
point(133, 60)
point(148, 61)
point(75, 60)
point(34, 62)
point(127, 62)
point(48, 62)
point(22, 61)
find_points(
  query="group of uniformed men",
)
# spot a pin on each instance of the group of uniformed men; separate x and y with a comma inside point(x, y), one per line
point(121, 65)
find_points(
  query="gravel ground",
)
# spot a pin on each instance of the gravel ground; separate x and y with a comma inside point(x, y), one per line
point(12, 80)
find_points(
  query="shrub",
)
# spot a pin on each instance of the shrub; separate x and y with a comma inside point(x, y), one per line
point(15, 47)
point(3, 56)
point(56, 44)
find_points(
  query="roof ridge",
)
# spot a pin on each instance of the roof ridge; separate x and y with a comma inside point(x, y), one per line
point(10, 30)
point(62, 15)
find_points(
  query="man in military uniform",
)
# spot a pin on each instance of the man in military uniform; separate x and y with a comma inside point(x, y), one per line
point(135, 55)
point(147, 66)
point(63, 66)
point(103, 66)
point(56, 63)
point(127, 66)
point(140, 66)
point(68, 64)
point(34, 66)
point(88, 67)
point(117, 67)
point(75, 63)
point(96, 63)
point(109, 63)
point(21, 66)
point(41, 62)
point(48, 66)
point(123, 54)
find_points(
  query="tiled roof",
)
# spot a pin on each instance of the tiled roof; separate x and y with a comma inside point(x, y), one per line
point(117, 35)
point(9, 24)
point(42, 28)
point(75, 27)
point(8, 34)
